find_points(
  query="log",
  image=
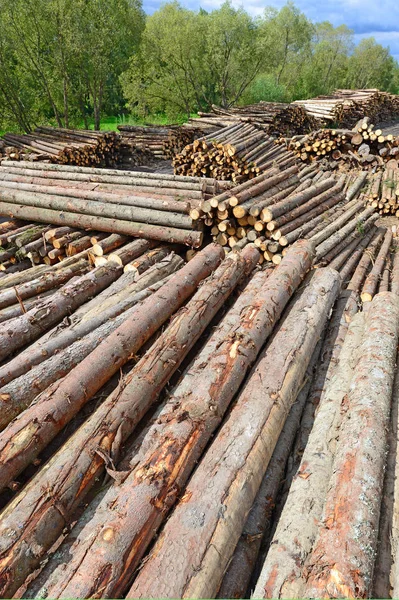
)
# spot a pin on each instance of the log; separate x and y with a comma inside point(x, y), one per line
point(56, 406)
point(342, 560)
point(237, 578)
point(282, 574)
point(146, 260)
point(117, 417)
point(236, 461)
point(395, 271)
point(131, 251)
point(73, 345)
point(371, 283)
point(45, 282)
point(105, 305)
point(364, 263)
point(123, 227)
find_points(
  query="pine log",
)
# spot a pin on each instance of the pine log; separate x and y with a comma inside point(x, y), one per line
point(236, 461)
point(364, 263)
point(395, 271)
point(343, 232)
point(342, 560)
point(146, 260)
point(56, 406)
point(123, 227)
point(72, 345)
point(282, 573)
point(338, 223)
point(131, 251)
point(371, 283)
point(237, 578)
point(123, 409)
point(45, 282)
point(106, 305)
point(307, 199)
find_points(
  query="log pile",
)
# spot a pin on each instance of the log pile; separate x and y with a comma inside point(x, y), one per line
point(65, 146)
point(158, 142)
point(345, 107)
point(365, 146)
point(144, 205)
point(237, 152)
point(281, 206)
point(274, 117)
point(181, 424)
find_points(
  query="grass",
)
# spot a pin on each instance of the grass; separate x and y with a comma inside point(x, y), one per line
point(111, 123)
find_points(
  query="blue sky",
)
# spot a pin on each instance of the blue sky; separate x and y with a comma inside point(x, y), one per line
point(377, 18)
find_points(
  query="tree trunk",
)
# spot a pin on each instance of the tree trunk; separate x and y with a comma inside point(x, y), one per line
point(98, 440)
point(341, 564)
point(282, 573)
point(368, 257)
point(237, 459)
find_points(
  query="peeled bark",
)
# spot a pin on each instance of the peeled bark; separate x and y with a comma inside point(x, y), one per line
point(197, 552)
point(77, 466)
point(56, 406)
point(371, 283)
point(341, 564)
point(282, 573)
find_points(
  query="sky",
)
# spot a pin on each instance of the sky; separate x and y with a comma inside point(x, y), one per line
point(377, 18)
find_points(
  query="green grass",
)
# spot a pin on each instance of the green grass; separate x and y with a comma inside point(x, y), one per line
point(111, 123)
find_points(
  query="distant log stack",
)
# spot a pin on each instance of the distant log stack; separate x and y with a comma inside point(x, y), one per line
point(162, 141)
point(66, 146)
point(237, 152)
point(274, 117)
point(345, 107)
point(364, 146)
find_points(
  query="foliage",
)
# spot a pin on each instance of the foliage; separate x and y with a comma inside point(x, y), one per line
point(70, 62)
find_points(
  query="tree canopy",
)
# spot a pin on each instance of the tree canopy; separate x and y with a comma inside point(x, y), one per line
point(68, 61)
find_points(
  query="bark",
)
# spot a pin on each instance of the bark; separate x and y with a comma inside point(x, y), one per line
point(117, 210)
point(341, 564)
point(18, 278)
point(384, 283)
point(25, 329)
point(146, 260)
point(109, 244)
point(61, 402)
point(237, 459)
point(347, 271)
point(371, 283)
point(106, 305)
point(282, 573)
point(237, 578)
point(19, 393)
point(82, 461)
point(130, 228)
point(338, 223)
point(78, 245)
point(369, 253)
point(338, 255)
point(357, 185)
point(42, 284)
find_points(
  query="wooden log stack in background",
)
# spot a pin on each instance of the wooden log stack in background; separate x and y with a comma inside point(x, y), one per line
point(237, 152)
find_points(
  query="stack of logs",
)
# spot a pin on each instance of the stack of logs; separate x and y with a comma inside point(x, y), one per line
point(280, 206)
point(274, 117)
point(237, 152)
point(65, 146)
point(364, 145)
point(160, 142)
point(24, 245)
point(158, 511)
point(345, 107)
point(133, 204)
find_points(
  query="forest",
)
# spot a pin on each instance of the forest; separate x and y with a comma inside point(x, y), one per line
point(72, 62)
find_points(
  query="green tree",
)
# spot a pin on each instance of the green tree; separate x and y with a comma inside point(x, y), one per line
point(371, 65)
